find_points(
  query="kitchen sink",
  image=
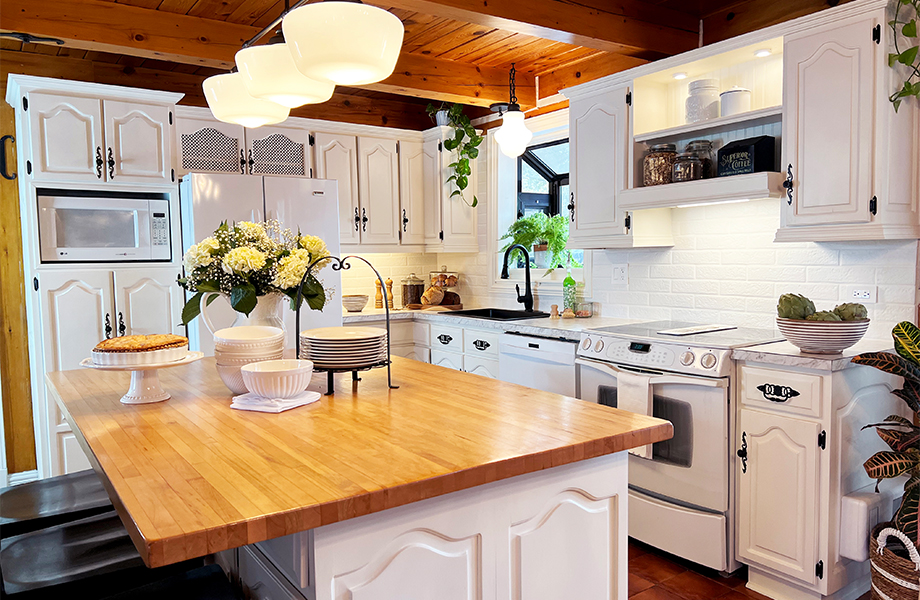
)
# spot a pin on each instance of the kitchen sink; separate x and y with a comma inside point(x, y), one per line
point(497, 314)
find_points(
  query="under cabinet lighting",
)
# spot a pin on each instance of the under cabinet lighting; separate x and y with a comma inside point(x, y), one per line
point(679, 76)
point(715, 202)
point(763, 53)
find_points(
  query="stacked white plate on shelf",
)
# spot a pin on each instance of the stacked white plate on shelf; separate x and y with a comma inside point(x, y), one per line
point(235, 347)
point(343, 348)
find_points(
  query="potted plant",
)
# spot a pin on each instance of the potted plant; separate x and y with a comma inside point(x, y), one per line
point(904, 25)
point(465, 143)
point(903, 459)
point(544, 234)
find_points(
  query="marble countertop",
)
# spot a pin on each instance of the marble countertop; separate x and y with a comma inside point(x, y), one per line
point(569, 329)
point(787, 355)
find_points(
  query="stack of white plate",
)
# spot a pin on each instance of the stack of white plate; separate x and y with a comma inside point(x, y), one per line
point(822, 337)
point(235, 347)
point(344, 347)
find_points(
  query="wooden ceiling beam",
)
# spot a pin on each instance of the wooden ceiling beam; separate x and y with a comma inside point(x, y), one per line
point(550, 82)
point(745, 16)
point(624, 26)
point(96, 25)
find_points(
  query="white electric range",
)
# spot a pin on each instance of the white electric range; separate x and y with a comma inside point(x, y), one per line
point(680, 497)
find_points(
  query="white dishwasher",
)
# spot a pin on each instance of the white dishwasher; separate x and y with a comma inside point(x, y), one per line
point(539, 363)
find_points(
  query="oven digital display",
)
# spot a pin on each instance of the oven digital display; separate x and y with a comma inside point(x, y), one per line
point(639, 347)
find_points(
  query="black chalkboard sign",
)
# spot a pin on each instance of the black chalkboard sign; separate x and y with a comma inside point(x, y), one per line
point(752, 155)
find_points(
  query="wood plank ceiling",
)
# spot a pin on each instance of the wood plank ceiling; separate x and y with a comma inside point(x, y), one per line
point(443, 57)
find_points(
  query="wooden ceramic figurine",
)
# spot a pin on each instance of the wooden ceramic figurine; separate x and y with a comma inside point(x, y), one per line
point(554, 311)
point(389, 283)
point(378, 299)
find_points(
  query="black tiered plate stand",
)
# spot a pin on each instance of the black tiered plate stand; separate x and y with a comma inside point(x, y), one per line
point(340, 264)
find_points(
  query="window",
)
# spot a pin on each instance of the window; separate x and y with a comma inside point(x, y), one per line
point(543, 178)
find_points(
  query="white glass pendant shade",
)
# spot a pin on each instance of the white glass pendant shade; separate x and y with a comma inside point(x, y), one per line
point(513, 136)
point(346, 43)
point(230, 102)
point(269, 73)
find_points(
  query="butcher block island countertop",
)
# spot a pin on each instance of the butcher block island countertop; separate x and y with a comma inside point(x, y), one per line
point(190, 476)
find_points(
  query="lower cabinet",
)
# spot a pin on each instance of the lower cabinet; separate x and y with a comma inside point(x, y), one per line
point(465, 349)
point(259, 580)
point(450, 360)
point(408, 339)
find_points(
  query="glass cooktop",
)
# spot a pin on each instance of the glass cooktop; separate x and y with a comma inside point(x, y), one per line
point(697, 334)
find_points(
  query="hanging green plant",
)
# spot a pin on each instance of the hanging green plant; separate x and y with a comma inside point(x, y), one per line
point(904, 25)
point(465, 142)
point(537, 229)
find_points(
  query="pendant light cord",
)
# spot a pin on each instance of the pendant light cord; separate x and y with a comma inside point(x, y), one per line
point(513, 99)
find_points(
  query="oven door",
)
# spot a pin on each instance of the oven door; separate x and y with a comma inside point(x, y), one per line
point(692, 467)
point(83, 229)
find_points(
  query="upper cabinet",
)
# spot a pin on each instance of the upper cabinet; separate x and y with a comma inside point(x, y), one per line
point(412, 189)
point(451, 225)
point(337, 158)
point(279, 150)
point(138, 142)
point(378, 190)
point(848, 158)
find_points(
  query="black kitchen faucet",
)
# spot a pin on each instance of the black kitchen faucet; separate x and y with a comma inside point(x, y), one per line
point(527, 298)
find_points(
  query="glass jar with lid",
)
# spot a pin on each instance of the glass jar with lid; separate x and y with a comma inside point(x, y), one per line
point(412, 289)
point(687, 167)
point(703, 101)
point(703, 150)
point(657, 164)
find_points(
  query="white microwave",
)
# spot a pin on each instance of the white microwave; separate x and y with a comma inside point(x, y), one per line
point(84, 226)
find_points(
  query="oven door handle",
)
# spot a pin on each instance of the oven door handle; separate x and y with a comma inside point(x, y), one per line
point(657, 377)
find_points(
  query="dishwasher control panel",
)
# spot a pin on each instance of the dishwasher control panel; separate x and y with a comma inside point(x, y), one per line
point(659, 356)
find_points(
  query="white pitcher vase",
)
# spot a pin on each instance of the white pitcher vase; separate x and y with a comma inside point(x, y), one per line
point(267, 311)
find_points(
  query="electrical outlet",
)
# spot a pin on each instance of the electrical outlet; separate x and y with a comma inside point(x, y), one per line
point(620, 274)
point(864, 294)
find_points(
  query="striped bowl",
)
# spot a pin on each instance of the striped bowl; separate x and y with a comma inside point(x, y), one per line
point(822, 337)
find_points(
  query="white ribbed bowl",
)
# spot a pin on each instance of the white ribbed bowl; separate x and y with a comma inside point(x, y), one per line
point(822, 337)
point(247, 338)
point(278, 378)
point(226, 361)
point(232, 378)
point(354, 303)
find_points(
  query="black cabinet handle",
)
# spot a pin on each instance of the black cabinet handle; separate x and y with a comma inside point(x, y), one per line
point(357, 220)
point(111, 163)
point(363, 220)
point(481, 345)
point(445, 339)
point(788, 185)
point(571, 206)
point(99, 162)
point(108, 326)
point(405, 220)
point(250, 162)
point(3, 170)
point(242, 162)
point(742, 453)
point(121, 324)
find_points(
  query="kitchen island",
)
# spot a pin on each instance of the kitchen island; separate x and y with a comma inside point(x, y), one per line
point(452, 486)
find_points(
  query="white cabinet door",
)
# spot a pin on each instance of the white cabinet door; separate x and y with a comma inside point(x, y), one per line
point(378, 185)
point(337, 158)
point(138, 142)
point(412, 188)
point(778, 493)
point(480, 366)
point(447, 359)
point(459, 221)
point(66, 137)
point(209, 146)
point(829, 82)
point(148, 301)
point(279, 150)
point(598, 147)
point(432, 175)
point(419, 353)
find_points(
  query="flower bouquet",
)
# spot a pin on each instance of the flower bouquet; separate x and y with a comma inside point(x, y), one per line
point(248, 260)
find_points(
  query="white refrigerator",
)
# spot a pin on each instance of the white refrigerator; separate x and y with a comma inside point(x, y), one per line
point(310, 205)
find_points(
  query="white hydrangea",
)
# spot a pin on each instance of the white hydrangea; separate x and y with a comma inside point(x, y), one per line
point(291, 269)
point(316, 247)
point(251, 231)
point(199, 255)
point(243, 260)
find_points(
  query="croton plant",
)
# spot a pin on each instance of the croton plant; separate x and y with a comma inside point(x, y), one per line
point(902, 435)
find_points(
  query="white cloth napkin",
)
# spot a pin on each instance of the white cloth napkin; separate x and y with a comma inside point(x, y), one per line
point(634, 394)
point(273, 405)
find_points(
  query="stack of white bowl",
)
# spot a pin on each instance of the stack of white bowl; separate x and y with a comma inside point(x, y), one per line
point(236, 347)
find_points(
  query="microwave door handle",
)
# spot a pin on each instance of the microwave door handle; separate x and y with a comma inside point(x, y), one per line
point(657, 377)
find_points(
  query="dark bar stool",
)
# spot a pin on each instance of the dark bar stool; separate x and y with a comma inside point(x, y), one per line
point(33, 506)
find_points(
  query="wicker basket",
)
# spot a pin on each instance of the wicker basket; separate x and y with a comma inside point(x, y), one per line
point(893, 577)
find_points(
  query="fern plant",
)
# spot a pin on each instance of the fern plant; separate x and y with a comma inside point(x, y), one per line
point(901, 435)
point(465, 141)
point(537, 229)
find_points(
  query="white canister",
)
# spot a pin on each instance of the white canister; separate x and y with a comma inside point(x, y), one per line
point(703, 101)
point(735, 101)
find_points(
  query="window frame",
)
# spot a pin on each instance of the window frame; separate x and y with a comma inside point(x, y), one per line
point(553, 201)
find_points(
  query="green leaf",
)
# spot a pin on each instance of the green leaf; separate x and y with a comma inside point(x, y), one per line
point(907, 341)
point(472, 152)
point(909, 56)
point(209, 286)
point(893, 58)
point(887, 464)
point(243, 298)
point(905, 519)
point(475, 202)
point(897, 105)
point(890, 363)
point(314, 293)
point(191, 309)
point(462, 182)
point(910, 29)
point(910, 394)
point(456, 193)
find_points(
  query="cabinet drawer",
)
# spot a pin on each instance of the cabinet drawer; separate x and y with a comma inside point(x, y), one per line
point(451, 360)
point(260, 581)
point(480, 343)
point(785, 391)
point(446, 338)
point(487, 367)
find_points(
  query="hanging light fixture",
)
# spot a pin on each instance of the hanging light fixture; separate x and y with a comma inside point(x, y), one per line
point(230, 102)
point(513, 136)
point(343, 42)
point(269, 73)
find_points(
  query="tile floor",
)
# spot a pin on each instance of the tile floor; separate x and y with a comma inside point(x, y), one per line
point(654, 575)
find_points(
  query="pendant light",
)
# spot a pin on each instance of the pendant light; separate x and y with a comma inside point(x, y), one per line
point(230, 102)
point(269, 73)
point(346, 43)
point(513, 136)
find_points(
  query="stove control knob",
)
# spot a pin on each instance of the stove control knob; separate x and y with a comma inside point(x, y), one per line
point(687, 358)
point(586, 343)
point(599, 346)
point(708, 360)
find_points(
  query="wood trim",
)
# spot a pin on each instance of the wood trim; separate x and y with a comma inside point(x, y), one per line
point(750, 15)
point(551, 82)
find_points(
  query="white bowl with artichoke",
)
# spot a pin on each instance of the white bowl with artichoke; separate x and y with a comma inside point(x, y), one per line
point(820, 331)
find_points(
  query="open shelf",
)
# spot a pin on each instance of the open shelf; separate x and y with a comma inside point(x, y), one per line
point(751, 118)
point(737, 188)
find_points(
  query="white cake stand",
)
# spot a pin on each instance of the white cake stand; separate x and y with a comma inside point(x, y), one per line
point(145, 380)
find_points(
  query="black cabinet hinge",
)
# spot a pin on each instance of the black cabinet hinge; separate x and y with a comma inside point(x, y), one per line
point(877, 34)
point(25, 103)
point(628, 98)
point(873, 205)
point(628, 221)
point(29, 167)
point(172, 174)
point(440, 147)
point(441, 236)
point(170, 118)
point(822, 440)
point(35, 283)
point(312, 140)
point(819, 569)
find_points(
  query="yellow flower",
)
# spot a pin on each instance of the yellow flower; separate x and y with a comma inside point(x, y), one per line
point(251, 231)
point(199, 255)
point(243, 260)
point(291, 269)
point(316, 247)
